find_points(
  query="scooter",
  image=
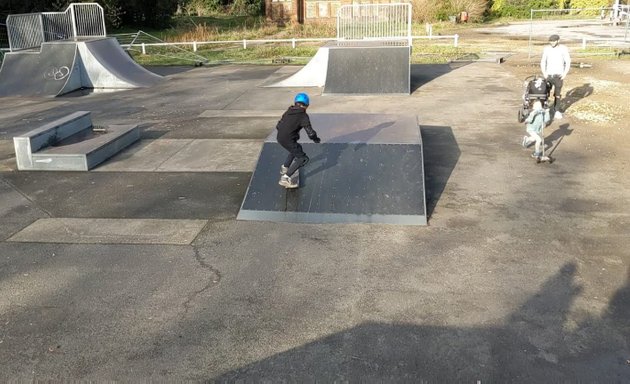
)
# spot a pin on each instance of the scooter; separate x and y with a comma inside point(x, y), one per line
point(543, 158)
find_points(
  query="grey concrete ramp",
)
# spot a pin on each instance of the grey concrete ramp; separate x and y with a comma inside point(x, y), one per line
point(368, 68)
point(313, 74)
point(107, 65)
point(368, 169)
point(63, 66)
point(52, 71)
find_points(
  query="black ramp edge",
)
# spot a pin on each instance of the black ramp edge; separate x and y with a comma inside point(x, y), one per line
point(368, 70)
point(343, 182)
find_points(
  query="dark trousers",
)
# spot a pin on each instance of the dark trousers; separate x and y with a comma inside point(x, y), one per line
point(556, 83)
point(296, 158)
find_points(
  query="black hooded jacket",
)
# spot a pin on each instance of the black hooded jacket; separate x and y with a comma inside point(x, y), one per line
point(294, 119)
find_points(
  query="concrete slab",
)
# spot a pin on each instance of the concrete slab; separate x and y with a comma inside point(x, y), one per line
point(7, 149)
point(223, 128)
point(139, 195)
point(214, 156)
point(110, 231)
point(166, 155)
point(13, 108)
point(145, 156)
point(16, 210)
point(241, 113)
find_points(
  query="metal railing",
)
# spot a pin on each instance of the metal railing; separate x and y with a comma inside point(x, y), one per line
point(374, 22)
point(195, 45)
point(30, 30)
point(592, 16)
point(25, 31)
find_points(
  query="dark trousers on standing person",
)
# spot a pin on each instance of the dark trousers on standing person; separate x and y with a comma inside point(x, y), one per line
point(296, 158)
point(556, 83)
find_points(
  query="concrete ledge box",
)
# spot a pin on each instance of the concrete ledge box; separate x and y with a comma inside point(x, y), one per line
point(70, 144)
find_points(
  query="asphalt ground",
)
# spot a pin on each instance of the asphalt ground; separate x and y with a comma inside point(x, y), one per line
point(522, 274)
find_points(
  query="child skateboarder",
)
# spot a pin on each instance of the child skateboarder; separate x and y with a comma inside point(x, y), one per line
point(289, 126)
point(535, 123)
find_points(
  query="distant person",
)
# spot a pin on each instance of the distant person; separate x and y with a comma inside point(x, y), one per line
point(535, 124)
point(555, 64)
point(289, 126)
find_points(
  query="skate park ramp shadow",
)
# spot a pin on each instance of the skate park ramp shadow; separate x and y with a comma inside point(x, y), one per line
point(378, 351)
point(441, 154)
point(422, 74)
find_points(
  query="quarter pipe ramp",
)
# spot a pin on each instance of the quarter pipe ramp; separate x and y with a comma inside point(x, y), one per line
point(60, 67)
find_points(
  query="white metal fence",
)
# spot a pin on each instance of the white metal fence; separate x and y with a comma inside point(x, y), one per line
point(579, 27)
point(374, 22)
point(30, 30)
point(195, 45)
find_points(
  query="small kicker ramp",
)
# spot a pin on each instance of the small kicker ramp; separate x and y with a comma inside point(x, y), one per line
point(52, 71)
point(61, 67)
point(367, 169)
point(313, 74)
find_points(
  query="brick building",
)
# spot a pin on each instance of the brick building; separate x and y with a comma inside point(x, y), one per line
point(304, 11)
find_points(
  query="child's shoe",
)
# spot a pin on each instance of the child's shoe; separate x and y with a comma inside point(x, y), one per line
point(283, 170)
point(525, 142)
point(286, 182)
point(557, 115)
point(536, 155)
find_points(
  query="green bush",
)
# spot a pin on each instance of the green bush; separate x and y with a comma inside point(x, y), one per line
point(202, 7)
point(589, 4)
point(247, 7)
point(521, 8)
point(440, 10)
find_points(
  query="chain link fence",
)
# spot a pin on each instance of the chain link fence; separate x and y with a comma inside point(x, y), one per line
point(30, 30)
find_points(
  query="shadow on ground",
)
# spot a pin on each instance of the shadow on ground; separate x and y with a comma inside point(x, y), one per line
point(424, 73)
point(556, 137)
point(441, 154)
point(535, 345)
point(574, 95)
point(330, 156)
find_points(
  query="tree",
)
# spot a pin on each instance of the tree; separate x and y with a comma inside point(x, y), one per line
point(152, 13)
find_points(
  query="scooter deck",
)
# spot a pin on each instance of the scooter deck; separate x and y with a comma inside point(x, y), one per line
point(544, 159)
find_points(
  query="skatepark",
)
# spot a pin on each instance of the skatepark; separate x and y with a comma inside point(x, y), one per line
point(139, 269)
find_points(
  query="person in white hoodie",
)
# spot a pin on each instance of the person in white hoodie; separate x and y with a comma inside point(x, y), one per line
point(555, 64)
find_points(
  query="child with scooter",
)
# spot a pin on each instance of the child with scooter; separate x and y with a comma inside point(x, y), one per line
point(536, 121)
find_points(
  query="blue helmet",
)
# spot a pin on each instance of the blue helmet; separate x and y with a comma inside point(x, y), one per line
point(301, 98)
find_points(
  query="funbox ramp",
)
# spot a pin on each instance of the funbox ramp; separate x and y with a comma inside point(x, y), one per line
point(369, 168)
point(357, 67)
point(60, 67)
